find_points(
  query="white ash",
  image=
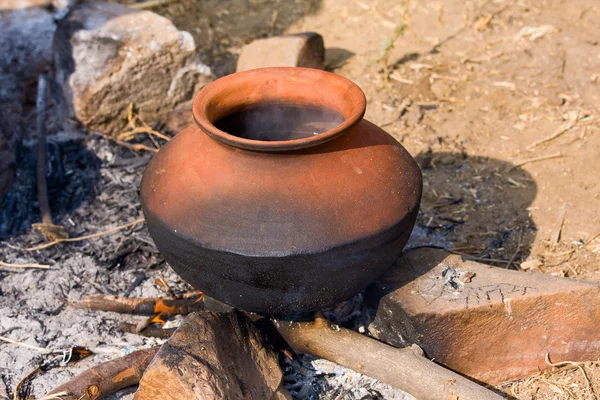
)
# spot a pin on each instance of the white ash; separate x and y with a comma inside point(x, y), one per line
point(312, 379)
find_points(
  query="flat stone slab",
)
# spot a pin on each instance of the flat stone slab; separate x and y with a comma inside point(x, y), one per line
point(485, 322)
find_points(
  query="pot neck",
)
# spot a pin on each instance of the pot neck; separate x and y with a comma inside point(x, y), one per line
point(303, 87)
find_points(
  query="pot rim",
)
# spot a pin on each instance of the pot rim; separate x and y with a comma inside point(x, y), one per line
point(288, 85)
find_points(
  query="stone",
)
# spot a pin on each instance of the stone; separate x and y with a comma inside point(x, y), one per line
point(213, 355)
point(300, 50)
point(108, 56)
point(488, 323)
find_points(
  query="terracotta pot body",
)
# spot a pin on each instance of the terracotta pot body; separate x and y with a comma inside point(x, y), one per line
point(281, 227)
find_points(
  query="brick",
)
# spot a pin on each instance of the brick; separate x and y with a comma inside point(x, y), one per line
point(488, 323)
point(300, 50)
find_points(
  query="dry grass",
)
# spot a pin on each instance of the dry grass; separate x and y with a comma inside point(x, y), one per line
point(569, 381)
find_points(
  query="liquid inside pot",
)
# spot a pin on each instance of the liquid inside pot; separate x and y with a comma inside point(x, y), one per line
point(279, 122)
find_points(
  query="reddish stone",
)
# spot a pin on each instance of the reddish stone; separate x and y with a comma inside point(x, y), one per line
point(300, 50)
point(494, 326)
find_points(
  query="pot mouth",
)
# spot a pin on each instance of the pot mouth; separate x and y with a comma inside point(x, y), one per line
point(286, 86)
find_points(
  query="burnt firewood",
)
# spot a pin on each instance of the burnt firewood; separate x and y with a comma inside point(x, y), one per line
point(150, 331)
point(213, 355)
point(141, 306)
point(107, 378)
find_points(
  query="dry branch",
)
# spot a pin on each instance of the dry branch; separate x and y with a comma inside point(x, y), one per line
point(108, 377)
point(86, 237)
point(48, 229)
point(141, 306)
point(38, 266)
point(147, 332)
point(406, 368)
point(535, 159)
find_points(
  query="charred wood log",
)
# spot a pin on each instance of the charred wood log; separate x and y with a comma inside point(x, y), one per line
point(107, 378)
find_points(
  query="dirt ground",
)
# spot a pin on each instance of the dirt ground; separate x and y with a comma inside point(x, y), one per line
point(499, 102)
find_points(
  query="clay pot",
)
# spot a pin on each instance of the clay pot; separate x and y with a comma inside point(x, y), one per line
point(281, 226)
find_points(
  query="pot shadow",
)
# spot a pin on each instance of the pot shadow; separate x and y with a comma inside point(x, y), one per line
point(471, 205)
point(475, 205)
point(72, 173)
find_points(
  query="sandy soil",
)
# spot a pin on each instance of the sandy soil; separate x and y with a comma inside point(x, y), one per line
point(499, 101)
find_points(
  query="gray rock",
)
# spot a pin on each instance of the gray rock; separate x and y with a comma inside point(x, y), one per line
point(108, 56)
point(300, 50)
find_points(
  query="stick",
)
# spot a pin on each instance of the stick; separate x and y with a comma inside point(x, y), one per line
point(148, 332)
point(535, 159)
point(128, 135)
point(29, 346)
point(108, 377)
point(151, 4)
point(86, 237)
point(141, 306)
point(567, 126)
point(136, 146)
point(42, 185)
point(39, 266)
point(26, 378)
point(516, 251)
point(406, 369)
point(48, 229)
point(594, 236)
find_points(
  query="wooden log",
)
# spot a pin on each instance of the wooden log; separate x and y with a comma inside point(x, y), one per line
point(406, 369)
point(141, 306)
point(107, 378)
point(213, 355)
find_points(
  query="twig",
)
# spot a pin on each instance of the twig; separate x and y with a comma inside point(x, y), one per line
point(535, 159)
point(594, 236)
point(578, 365)
point(567, 126)
point(48, 229)
point(128, 135)
point(108, 377)
point(42, 185)
point(136, 146)
point(151, 4)
point(29, 346)
point(86, 237)
point(29, 376)
point(148, 332)
point(555, 236)
point(39, 266)
point(516, 251)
